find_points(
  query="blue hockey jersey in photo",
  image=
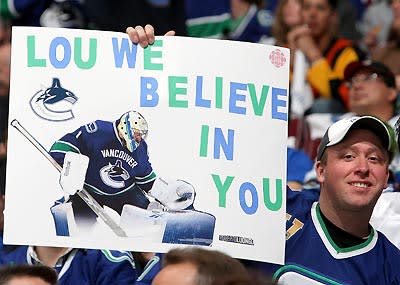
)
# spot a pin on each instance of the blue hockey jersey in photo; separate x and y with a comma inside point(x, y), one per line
point(112, 169)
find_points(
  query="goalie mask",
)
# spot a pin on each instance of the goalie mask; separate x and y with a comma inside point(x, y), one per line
point(132, 128)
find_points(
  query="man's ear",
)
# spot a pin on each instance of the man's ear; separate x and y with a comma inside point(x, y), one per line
point(320, 171)
point(392, 95)
point(387, 179)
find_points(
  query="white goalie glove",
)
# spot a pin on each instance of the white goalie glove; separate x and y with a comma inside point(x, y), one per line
point(173, 194)
point(72, 176)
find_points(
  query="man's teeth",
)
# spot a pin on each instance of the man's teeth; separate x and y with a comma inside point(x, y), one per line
point(359, 184)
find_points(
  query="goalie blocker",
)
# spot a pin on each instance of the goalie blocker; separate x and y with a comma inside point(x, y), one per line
point(173, 194)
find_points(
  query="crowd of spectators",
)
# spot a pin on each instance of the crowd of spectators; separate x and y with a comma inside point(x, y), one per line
point(344, 62)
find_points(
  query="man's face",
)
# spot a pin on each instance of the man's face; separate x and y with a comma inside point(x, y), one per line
point(177, 274)
point(131, 145)
point(318, 16)
point(137, 137)
point(355, 173)
point(369, 94)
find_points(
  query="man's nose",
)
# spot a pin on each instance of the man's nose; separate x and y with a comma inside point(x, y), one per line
point(362, 166)
point(356, 84)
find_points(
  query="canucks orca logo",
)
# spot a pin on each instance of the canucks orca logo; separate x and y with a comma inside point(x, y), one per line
point(114, 175)
point(55, 103)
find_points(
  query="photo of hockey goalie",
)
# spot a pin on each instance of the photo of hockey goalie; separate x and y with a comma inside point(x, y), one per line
point(106, 165)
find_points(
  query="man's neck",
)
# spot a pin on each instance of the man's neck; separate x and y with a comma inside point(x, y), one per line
point(323, 41)
point(355, 223)
point(385, 113)
point(340, 237)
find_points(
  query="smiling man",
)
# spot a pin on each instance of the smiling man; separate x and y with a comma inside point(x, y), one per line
point(330, 241)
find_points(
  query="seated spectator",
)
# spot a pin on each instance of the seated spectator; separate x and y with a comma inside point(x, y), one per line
point(27, 274)
point(326, 54)
point(330, 241)
point(371, 92)
point(287, 16)
point(242, 20)
point(100, 267)
point(249, 23)
point(192, 266)
point(207, 18)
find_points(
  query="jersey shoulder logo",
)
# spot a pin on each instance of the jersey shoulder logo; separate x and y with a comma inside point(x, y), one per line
point(54, 103)
point(91, 127)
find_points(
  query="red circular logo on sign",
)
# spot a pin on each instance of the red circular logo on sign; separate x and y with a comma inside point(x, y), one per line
point(277, 58)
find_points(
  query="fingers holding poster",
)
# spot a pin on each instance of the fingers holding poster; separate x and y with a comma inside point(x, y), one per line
point(186, 141)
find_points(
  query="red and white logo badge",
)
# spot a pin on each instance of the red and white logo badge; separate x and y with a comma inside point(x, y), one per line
point(277, 58)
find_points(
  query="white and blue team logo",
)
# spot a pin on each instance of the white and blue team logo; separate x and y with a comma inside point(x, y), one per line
point(54, 103)
point(114, 175)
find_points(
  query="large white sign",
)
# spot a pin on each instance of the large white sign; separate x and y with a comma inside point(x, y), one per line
point(214, 154)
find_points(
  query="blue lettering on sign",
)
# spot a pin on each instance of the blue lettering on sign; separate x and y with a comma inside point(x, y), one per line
point(148, 92)
point(64, 43)
point(250, 188)
point(126, 50)
point(234, 97)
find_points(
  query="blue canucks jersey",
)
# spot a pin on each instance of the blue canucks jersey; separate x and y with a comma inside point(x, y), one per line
point(112, 169)
point(207, 18)
point(313, 258)
point(83, 266)
point(255, 25)
point(150, 271)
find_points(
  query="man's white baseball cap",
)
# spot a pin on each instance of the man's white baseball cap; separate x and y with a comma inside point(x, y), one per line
point(338, 131)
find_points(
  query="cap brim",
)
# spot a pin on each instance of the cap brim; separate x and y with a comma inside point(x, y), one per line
point(338, 131)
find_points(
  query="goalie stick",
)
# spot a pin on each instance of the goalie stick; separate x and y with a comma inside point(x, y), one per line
point(84, 194)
